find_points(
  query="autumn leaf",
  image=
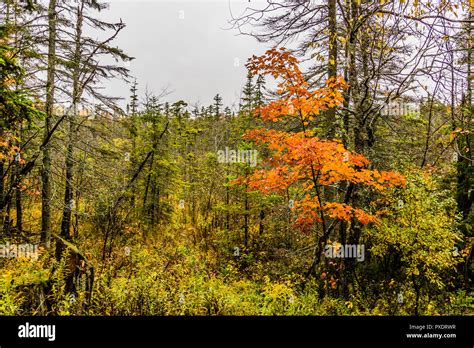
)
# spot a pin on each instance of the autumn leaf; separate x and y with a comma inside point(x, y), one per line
point(301, 159)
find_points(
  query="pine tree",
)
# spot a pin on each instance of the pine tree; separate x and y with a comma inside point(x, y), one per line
point(247, 100)
point(217, 105)
point(86, 74)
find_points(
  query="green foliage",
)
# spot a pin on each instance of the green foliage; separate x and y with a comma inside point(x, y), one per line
point(15, 105)
point(420, 228)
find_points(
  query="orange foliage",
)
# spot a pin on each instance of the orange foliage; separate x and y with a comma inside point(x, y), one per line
point(7, 148)
point(296, 99)
point(300, 158)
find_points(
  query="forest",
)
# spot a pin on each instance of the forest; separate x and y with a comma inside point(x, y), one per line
point(342, 183)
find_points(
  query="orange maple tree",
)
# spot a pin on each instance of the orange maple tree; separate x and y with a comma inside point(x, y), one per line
point(302, 160)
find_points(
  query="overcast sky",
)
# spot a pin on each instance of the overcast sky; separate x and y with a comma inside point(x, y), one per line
point(184, 45)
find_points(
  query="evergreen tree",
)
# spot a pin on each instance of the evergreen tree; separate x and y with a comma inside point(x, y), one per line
point(217, 105)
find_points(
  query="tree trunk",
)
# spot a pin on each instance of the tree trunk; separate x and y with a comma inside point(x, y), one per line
point(68, 202)
point(19, 210)
point(330, 114)
point(46, 169)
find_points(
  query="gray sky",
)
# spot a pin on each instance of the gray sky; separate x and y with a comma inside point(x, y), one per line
point(183, 45)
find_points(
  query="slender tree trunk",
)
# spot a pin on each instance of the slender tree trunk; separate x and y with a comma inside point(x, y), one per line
point(7, 223)
point(19, 209)
point(153, 200)
point(227, 200)
point(145, 207)
point(2, 190)
point(332, 65)
point(428, 133)
point(46, 169)
point(68, 202)
point(246, 221)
